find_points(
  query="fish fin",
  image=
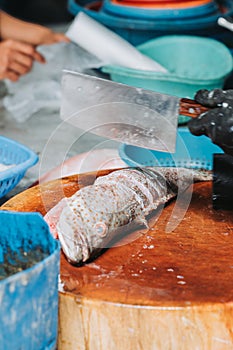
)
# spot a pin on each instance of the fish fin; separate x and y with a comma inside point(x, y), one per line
point(141, 221)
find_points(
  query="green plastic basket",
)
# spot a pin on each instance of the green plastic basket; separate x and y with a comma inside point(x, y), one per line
point(193, 63)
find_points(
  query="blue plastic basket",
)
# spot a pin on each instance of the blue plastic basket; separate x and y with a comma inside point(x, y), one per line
point(191, 152)
point(12, 152)
point(139, 30)
point(29, 298)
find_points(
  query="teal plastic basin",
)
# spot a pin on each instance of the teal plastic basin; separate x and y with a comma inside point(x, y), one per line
point(193, 63)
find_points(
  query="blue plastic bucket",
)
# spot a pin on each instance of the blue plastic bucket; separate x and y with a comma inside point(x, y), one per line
point(159, 13)
point(29, 299)
point(191, 152)
point(137, 31)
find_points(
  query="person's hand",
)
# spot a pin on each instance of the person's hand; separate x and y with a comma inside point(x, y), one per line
point(217, 123)
point(16, 59)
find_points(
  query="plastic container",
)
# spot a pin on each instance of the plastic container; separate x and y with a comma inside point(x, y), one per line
point(193, 63)
point(139, 30)
point(158, 11)
point(191, 152)
point(29, 299)
point(170, 3)
point(22, 158)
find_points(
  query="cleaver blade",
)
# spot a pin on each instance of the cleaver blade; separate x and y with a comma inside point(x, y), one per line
point(124, 113)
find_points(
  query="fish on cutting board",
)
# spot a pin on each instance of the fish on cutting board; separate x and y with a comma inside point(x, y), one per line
point(88, 221)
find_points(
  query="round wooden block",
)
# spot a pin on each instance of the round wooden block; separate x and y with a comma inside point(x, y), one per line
point(157, 290)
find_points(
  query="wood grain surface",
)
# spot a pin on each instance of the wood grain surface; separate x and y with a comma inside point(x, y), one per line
point(157, 290)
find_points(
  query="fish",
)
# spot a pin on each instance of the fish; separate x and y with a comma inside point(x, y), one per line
point(92, 217)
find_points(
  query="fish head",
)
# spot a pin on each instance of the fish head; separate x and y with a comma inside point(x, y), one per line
point(72, 236)
point(80, 237)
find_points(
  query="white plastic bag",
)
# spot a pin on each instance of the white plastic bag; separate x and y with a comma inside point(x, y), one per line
point(41, 88)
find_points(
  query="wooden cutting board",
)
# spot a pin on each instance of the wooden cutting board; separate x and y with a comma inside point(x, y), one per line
point(159, 291)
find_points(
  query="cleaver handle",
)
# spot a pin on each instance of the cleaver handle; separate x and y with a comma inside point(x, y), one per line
point(191, 108)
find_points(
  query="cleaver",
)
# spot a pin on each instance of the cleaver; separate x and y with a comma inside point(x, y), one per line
point(127, 114)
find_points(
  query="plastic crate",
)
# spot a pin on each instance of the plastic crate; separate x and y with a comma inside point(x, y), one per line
point(18, 155)
point(191, 152)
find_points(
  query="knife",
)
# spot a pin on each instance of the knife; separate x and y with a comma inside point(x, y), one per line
point(127, 114)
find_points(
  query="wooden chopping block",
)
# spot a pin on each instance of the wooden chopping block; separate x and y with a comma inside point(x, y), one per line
point(159, 291)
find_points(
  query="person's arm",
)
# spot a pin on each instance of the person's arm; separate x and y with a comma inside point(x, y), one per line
point(217, 123)
point(34, 34)
point(18, 41)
